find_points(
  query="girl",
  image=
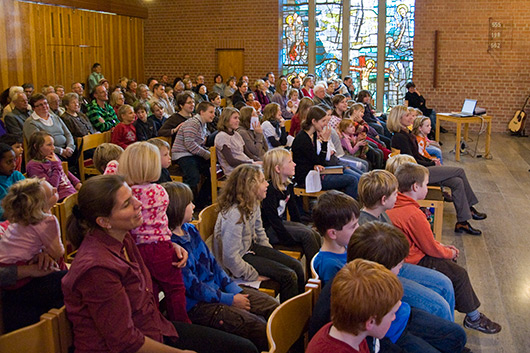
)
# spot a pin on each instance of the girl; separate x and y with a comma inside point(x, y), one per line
point(278, 168)
point(125, 132)
point(301, 113)
point(274, 126)
point(8, 173)
point(141, 166)
point(212, 297)
point(353, 139)
point(293, 102)
point(240, 242)
point(307, 157)
point(33, 230)
point(229, 144)
point(252, 102)
point(340, 104)
point(365, 98)
point(117, 100)
point(427, 148)
point(45, 164)
point(252, 133)
point(374, 140)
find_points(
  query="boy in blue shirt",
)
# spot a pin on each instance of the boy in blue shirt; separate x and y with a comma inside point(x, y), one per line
point(8, 173)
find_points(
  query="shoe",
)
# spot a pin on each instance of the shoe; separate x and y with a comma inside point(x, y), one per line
point(447, 196)
point(483, 324)
point(477, 216)
point(443, 130)
point(465, 227)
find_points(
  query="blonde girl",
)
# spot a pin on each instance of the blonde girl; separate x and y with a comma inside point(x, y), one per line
point(213, 298)
point(252, 133)
point(140, 165)
point(293, 102)
point(45, 164)
point(240, 242)
point(427, 148)
point(278, 168)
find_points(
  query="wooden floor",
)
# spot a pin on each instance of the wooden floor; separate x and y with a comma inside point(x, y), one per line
point(498, 262)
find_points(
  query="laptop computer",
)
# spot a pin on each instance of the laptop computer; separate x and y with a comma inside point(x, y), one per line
point(468, 109)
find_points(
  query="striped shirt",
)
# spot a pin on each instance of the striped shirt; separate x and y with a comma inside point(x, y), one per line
point(190, 139)
point(95, 112)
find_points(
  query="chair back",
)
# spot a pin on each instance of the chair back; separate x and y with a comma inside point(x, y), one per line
point(207, 220)
point(65, 210)
point(289, 321)
point(66, 336)
point(86, 143)
point(314, 273)
point(215, 173)
point(42, 337)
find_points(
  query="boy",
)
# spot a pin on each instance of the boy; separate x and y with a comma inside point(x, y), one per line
point(215, 98)
point(15, 141)
point(124, 133)
point(165, 159)
point(191, 154)
point(145, 129)
point(157, 118)
point(412, 330)
point(427, 252)
point(335, 216)
point(358, 283)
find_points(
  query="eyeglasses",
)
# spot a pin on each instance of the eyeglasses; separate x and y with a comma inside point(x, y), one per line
point(45, 103)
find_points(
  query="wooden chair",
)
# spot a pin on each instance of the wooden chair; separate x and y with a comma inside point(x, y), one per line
point(395, 152)
point(86, 143)
point(65, 210)
point(26, 150)
point(287, 125)
point(42, 337)
point(314, 274)
point(223, 102)
point(435, 200)
point(217, 177)
point(306, 195)
point(289, 321)
point(66, 336)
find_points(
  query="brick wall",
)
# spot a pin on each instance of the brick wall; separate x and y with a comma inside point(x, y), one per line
point(182, 36)
point(498, 79)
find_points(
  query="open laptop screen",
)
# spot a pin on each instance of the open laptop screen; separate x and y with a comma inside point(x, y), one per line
point(469, 106)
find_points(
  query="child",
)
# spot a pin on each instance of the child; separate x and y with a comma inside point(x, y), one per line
point(106, 158)
point(165, 159)
point(158, 117)
point(252, 102)
point(274, 126)
point(45, 164)
point(145, 128)
point(427, 148)
point(427, 252)
point(212, 297)
point(336, 217)
point(424, 288)
point(124, 133)
point(8, 173)
point(15, 141)
point(240, 242)
point(252, 133)
point(215, 98)
point(278, 168)
point(229, 144)
point(140, 165)
point(357, 146)
point(300, 115)
point(352, 321)
point(356, 113)
point(293, 102)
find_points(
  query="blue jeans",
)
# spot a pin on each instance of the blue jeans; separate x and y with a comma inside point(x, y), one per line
point(435, 151)
point(427, 333)
point(346, 182)
point(429, 290)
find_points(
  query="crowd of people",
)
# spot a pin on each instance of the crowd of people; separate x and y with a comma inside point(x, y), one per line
point(386, 281)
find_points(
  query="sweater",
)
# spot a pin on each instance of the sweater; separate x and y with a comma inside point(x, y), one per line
point(172, 122)
point(95, 113)
point(405, 141)
point(190, 140)
point(123, 135)
point(273, 211)
point(234, 238)
point(145, 129)
point(204, 279)
point(54, 174)
point(305, 155)
point(78, 125)
point(15, 119)
point(255, 144)
point(62, 137)
point(407, 216)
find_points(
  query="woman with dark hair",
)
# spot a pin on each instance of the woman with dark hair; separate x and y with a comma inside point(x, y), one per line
point(108, 290)
point(219, 86)
point(185, 107)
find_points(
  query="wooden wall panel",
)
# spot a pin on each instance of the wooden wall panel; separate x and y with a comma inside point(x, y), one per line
point(45, 44)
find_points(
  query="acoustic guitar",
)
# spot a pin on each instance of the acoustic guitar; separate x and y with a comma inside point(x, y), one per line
point(517, 123)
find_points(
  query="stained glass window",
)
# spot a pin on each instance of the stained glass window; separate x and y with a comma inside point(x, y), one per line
point(295, 37)
point(328, 39)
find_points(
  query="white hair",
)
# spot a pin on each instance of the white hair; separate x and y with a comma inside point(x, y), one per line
point(14, 90)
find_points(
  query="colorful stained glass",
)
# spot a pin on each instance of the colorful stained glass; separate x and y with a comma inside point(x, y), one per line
point(328, 39)
point(295, 37)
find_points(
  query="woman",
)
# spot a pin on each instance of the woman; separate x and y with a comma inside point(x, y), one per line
point(252, 133)
point(77, 122)
point(307, 87)
point(308, 157)
point(300, 115)
point(453, 177)
point(185, 107)
point(261, 93)
point(116, 100)
point(108, 290)
point(281, 98)
point(230, 88)
point(41, 119)
point(219, 85)
point(340, 106)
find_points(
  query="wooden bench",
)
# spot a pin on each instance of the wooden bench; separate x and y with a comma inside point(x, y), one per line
point(217, 177)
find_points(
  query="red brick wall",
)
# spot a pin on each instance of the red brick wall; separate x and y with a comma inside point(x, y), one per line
point(499, 79)
point(182, 36)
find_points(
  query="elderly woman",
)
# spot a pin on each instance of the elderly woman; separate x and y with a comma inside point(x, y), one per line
point(108, 291)
point(280, 97)
point(75, 120)
point(43, 119)
point(116, 101)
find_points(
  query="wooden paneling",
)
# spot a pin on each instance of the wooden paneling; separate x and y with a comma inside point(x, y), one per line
point(133, 8)
point(45, 44)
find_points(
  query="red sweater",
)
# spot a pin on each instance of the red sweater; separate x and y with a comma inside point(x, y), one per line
point(407, 216)
point(123, 135)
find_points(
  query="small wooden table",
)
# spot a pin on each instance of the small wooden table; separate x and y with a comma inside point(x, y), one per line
point(464, 121)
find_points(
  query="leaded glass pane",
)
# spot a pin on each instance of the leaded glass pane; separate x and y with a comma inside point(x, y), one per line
point(295, 37)
point(328, 39)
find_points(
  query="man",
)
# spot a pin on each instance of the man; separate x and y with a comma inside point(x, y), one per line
point(95, 77)
point(348, 82)
point(53, 102)
point(321, 97)
point(46, 89)
point(272, 80)
point(77, 87)
point(28, 89)
point(160, 96)
point(15, 119)
point(164, 79)
point(100, 113)
point(295, 84)
point(151, 82)
point(59, 89)
point(199, 80)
